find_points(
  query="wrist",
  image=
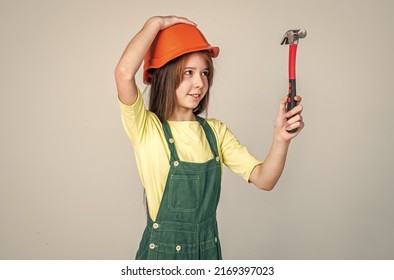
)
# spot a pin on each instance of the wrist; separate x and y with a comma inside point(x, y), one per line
point(280, 142)
point(155, 22)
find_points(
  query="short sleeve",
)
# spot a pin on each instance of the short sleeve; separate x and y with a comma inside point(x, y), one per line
point(134, 118)
point(234, 155)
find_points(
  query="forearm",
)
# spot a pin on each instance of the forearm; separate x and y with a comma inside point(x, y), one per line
point(266, 175)
point(131, 60)
point(135, 51)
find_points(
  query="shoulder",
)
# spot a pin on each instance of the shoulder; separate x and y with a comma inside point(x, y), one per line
point(140, 123)
point(139, 102)
point(219, 127)
point(215, 123)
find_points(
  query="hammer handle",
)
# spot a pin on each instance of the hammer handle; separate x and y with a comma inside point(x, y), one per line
point(291, 103)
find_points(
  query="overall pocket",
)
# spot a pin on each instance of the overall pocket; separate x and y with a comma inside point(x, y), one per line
point(210, 250)
point(177, 251)
point(184, 193)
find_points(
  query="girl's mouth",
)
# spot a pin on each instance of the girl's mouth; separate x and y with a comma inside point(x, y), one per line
point(196, 95)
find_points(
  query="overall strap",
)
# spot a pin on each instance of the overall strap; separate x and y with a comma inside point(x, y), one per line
point(210, 135)
point(170, 142)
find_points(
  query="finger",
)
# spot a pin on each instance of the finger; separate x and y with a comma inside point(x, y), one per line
point(298, 99)
point(296, 110)
point(282, 104)
point(186, 20)
point(297, 125)
point(172, 20)
point(182, 20)
point(302, 125)
point(282, 110)
point(294, 119)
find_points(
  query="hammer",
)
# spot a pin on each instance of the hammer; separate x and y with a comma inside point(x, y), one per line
point(291, 38)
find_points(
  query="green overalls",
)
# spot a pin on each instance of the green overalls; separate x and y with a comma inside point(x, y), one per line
point(186, 227)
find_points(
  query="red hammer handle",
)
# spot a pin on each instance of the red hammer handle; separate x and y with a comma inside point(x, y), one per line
point(292, 61)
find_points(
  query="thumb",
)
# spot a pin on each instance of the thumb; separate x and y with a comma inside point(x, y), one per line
point(282, 106)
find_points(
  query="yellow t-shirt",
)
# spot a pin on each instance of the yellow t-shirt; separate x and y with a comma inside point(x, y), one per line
point(153, 155)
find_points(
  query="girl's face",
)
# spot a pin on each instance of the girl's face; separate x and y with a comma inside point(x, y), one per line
point(194, 84)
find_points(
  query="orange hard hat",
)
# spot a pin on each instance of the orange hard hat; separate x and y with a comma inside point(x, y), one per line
point(173, 42)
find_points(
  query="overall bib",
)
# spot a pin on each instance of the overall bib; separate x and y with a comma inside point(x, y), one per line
point(186, 227)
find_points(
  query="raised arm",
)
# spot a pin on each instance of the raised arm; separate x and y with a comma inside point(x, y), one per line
point(134, 53)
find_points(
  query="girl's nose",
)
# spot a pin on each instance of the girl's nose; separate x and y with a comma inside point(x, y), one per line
point(198, 82)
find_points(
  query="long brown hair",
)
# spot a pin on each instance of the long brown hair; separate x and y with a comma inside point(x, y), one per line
point(165, 81)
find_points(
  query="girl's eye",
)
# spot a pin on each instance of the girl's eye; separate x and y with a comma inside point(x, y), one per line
point(188, 72)
point(205, 73)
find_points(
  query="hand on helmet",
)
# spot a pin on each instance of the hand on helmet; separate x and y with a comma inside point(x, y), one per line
point(167, 21)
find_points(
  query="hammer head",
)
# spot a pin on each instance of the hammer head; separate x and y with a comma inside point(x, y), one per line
point(292, 36)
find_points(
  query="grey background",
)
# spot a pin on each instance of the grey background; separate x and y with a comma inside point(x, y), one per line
point(69, 187)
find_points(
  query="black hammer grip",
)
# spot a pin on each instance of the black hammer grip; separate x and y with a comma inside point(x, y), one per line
point(291, 103)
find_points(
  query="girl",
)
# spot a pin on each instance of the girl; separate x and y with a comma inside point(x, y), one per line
point(178, 153)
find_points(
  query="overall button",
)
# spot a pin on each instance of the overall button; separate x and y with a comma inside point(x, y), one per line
point(217, 158)
point(178, 248)
point(171, 140)
point(176, 163)
point(152, 246)
point(155, 225)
